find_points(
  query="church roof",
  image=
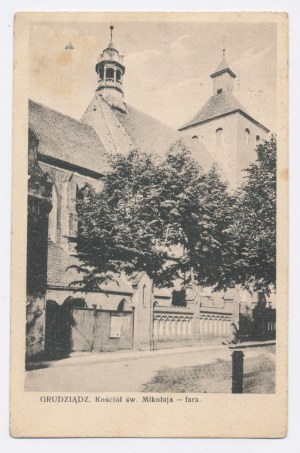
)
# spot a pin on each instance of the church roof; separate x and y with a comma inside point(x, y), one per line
point(146, 132)
point(65, 139)
point(223, 67)
point(58, 274)
point(122, 131)
point(217, 106)
point(118, 285)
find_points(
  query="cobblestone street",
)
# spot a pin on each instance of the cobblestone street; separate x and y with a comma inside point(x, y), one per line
point(186, 370)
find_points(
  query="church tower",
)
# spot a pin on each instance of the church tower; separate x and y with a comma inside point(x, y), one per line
point(225, 127)
point(120, 126)
point(110, 70)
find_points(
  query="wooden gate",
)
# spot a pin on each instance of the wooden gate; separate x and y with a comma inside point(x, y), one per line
point(101, 330)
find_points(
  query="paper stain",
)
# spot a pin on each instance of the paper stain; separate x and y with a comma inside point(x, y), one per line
point(64, 58)
point(284, 174)
point(40, 64)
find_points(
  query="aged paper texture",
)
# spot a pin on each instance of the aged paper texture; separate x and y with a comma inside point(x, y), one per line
point(149, 225)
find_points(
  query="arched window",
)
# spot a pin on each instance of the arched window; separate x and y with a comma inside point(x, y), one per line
point(195, 137)
point(257, 138)
point(247, 136)
point(122, 305)
point(219, 137)
point(52, 228)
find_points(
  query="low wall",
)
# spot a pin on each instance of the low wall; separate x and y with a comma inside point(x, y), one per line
point(179, 327)
point(213, 324)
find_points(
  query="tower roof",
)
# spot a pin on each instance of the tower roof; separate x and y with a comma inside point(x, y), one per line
point(223, 67)
point(217, 106)
point(223, 102)
point(111, 44)
point(110, 53)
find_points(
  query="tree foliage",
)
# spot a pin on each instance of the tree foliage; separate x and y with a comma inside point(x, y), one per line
point(254, 225)
point(162, 217)
point(172, 219)
point(119, 227)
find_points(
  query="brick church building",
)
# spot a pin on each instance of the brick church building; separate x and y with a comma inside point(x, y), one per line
point(72, 153)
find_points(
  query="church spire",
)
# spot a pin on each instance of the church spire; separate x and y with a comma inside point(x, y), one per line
point(223, 77)
point(110, 70)
point(111, 46)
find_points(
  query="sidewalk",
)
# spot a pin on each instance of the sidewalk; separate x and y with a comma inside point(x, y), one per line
point(92, 358)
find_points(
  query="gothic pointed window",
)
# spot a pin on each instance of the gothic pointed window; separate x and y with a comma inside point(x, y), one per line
point(122, 305)
point(52, 230)
point(219, 137)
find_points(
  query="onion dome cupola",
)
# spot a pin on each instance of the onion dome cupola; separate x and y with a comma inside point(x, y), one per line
point(223, 78)
point(110, 70)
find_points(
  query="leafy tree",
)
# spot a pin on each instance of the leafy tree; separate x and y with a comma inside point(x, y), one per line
point(211, 245)
point(199, 215)
point(163, 217)
point(173, 220)
point(254, 226)
point(119, 228)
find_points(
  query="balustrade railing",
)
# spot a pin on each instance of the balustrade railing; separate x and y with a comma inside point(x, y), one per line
point(110, 83)
point(179, 327)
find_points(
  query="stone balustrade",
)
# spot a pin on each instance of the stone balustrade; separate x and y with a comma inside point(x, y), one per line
point(171, 324)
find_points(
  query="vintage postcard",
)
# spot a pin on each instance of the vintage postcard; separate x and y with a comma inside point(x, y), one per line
point(149, 237)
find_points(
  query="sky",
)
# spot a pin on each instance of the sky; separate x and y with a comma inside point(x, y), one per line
point(168, 65)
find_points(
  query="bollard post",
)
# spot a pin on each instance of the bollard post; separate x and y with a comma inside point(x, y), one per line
point(237, 371)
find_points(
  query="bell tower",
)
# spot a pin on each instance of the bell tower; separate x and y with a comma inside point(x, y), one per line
point(110, 70)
